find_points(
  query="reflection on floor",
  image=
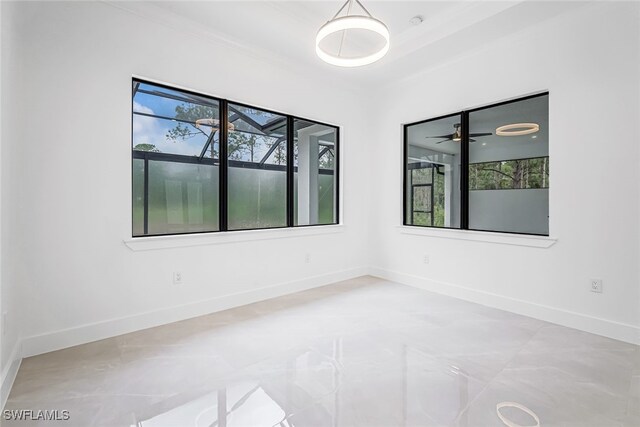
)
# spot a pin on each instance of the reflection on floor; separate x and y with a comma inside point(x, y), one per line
point(364, 352)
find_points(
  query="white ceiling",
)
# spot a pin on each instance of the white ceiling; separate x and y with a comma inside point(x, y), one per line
point(285, 30)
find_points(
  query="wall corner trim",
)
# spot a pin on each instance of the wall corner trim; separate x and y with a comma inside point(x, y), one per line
point(9, 373)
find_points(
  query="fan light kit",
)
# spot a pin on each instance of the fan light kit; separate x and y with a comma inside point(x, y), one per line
point(351, 22)
point(456, 136)
point(517, 129)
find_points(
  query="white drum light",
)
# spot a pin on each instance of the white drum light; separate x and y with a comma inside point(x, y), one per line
point(517, 129)
point(352, 22)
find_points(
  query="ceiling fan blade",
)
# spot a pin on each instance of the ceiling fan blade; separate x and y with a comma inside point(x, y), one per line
point(472, 140)
point(440, 142)
point(441, 136)
point(481, 134)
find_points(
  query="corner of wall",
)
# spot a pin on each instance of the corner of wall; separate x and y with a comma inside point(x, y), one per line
point(9, 373)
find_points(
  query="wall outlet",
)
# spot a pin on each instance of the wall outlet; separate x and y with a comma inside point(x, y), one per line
point(4, 323)
point(596, 285)
point(177, 278)
point(425, 259)
point(307, 258)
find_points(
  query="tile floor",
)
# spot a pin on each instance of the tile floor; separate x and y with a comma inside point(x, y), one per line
point(363, 352)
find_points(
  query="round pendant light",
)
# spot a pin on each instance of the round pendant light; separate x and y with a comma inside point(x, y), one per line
point(517, 129)
point(352, 22)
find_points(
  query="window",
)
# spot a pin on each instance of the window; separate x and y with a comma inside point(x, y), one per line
point(259, 170)
point(314, 173)
point(485, 169)
point(432, 196)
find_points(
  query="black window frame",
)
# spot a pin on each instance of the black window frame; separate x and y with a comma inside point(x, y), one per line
point(223, 164)
point(464, 166)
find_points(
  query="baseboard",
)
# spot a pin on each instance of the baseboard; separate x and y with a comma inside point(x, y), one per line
point(57, 340)
point(44, 343)
point(604, 327)
point(9, 374)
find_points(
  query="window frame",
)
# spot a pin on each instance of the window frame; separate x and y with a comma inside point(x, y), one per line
point(464, 167)
point(223, 166)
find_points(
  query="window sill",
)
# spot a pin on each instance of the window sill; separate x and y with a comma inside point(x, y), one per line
point(203, 239)
point(481, 236)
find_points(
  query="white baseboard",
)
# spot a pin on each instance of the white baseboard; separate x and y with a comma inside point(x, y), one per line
point(611, 329)
point(9, 374)
point(38, 344)
point(44, 343)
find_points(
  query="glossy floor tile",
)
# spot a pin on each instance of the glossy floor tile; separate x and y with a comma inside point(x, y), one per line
point(364, 352)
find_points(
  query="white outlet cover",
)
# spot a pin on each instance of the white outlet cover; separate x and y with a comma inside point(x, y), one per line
point(177, 278)
point(596, 285)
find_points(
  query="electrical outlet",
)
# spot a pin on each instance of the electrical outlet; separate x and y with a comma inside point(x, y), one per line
point(307, 258)
point(425, 259)
point(177, 278)
point(596, 285)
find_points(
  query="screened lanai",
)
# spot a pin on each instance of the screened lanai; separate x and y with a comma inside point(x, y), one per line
point(265, 170)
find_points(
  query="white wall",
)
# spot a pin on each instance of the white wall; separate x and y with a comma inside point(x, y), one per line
point(72, 180)
point(9, 287)
point(588, 60)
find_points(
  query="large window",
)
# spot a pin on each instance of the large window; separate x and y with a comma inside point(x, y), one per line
point(485, 169)
point(194, 172)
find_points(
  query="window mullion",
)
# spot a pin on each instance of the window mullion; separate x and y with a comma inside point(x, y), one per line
point(464, 172)
point(224, 165)
point(290, 161)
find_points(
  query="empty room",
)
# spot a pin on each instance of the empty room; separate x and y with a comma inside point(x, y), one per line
point(320, 213)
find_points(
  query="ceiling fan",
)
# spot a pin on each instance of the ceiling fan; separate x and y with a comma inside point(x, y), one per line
point(457, 135)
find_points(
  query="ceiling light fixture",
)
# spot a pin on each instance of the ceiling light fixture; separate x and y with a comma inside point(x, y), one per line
point(517, 129)
point(457, 136)
point(351, 22)
point(214, 123)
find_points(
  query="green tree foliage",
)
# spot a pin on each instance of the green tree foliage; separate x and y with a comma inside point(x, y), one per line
point(510, 174)
point(191, 113)
point(239, 143)
point(146, 147)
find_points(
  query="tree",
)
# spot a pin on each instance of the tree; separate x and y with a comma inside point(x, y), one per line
point(515, 174)
point(239, 143)
point(280, 154)
point(146, 147)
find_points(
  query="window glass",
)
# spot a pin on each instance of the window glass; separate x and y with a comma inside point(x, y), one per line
point(138, 197)
point(169, 121)
point(176, 137)
point(183, 197)
point(509, 167)
point(257, 177)
point(432, 175)
point(177, 172)
point(314, 173)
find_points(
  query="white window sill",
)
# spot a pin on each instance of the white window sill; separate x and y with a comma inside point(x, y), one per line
point(202, 239)
point(481, 236)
